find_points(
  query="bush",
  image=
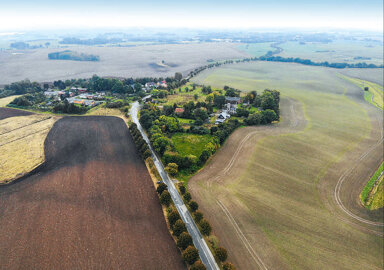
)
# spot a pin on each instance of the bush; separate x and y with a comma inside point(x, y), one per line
point(205, 227)
point(173, 216)
point(190, 255)
point(221, 254)
point(184, 240)
point(198, 266)
point(187, 196)
point(228, 266)
point(161, 187)
point(198, 216)
point(194, 206)
point(179, 227)
point(165, 198)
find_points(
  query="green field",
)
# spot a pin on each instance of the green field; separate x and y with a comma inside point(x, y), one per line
point(279, 190)
point(190, 144)
point(372, 195)
point(256, 49)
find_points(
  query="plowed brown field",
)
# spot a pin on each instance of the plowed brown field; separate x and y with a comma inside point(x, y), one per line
point(92, 205)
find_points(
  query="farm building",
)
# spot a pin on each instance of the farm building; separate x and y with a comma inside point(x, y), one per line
point(232, 100)
point(179, 111)
point(222, 117)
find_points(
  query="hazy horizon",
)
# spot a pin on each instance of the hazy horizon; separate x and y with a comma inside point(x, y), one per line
point(25, 15)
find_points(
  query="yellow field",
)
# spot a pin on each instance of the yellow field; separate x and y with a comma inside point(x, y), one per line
point(22, 144)
point(5, 101)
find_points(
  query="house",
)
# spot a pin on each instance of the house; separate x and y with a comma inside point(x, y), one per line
point(179, 111)
point(81, 90)
point(149, 86)
point(89, 102)
point(222, 117)
point(232, 100)
point(231, 108)
point(51, 93)
point(162, 84)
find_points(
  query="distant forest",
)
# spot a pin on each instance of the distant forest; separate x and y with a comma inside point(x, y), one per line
point(71, 55)
point(92, 41)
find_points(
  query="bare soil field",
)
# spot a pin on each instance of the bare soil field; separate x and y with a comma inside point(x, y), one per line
point(8, 112)
point(91, 206)
point(137, 61)
point(286, 196)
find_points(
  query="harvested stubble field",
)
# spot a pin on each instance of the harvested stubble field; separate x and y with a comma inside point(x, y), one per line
point(139, 61)
point(91, 206)
point(22, 143)
point(286, 196)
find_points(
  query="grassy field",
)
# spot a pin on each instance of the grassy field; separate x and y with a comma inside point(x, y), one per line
point(269, 191)
point(22, 144)
point(5, 101)
point(190, 144)
point(372, 194)
point(375, 93)
point(256, 49)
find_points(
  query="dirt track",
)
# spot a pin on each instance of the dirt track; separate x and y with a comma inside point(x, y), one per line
point(92, 206)
point(8, 112)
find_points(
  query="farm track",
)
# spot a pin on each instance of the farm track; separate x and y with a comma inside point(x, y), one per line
point(92, 205)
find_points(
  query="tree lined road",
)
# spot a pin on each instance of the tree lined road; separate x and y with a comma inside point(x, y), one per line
point(205, 253)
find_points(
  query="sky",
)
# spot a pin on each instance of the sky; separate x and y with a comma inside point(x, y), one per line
point(23, 15)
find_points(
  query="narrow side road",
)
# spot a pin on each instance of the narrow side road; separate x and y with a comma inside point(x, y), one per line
point(205, 253)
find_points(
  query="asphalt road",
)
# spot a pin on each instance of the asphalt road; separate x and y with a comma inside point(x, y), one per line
point(198, 240)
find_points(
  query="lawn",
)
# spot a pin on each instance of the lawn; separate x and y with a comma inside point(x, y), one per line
point(190, 144)
point(280, 183)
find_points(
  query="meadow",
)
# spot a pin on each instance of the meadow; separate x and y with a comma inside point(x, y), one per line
point(190, 144)
point(269, 191)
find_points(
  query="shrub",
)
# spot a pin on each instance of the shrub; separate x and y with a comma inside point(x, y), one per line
point(161, 187)
point(187, 196)
point(165, 198)
point(184, 240)
point(198, 216)
point(205, 227)
point(190, 255)
point(221, 254)
point(228, 266)
point(198, 265)
point(179, 227)
point(194, 206)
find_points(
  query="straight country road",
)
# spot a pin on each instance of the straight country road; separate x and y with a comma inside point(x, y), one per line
point(205, 253)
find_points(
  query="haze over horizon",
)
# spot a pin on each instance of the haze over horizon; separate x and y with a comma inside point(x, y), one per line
point(24, 15)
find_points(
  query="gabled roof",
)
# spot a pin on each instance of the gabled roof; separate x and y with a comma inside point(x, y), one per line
point(179, 110)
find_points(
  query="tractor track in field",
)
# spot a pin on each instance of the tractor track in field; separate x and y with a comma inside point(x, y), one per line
point(344, 177)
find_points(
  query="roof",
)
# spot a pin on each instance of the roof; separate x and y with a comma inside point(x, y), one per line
point(179, 110)
point(237, 99)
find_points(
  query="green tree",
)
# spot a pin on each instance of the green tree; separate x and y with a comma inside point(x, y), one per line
point(172, 169)
point(228, 266)
point(198, 265)
point(178, 76)
point(182, 189)
point(204, 156)
point(268, 116)
point(205, 227)
point(219, 101)
point(179, 227)
point(194, 206)
point(184, 240)
point(196, 96)
point(198, 216)
point(200, 114)
point(254, 119)
point(190, 255)
point(187, 196)
point(161, 187)
point(160, 144)
point(173, 216)
point(221, 254)
point(268, 101)
point(165, 198)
